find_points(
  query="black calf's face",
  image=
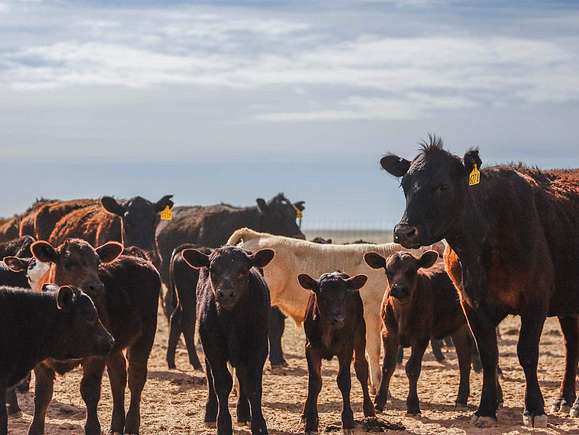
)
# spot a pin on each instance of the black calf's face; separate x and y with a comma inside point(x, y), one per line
point(332, 293)
point(140, 218)
point(279, 216)
point(402, 271)
point(82, 334)
point(229, 271)
point(434, 185)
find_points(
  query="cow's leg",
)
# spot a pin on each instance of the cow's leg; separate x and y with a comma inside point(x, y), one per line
point(373, 343)
point(175, 330)
point(211, 405)
point(413, 368)
point(484, 332)
point(391, 345)
point(462, 342)
point(310, 413)
point(117, 370)
point(570, 328)
point(528, 352)
point(222, 382)
point(13, 408)
point(3, 413)
point(345, 385)
point(44, 384)
point(361, 369)
point(243, 410)
point(437, 350)
point(138, 356)
point(24, 385)
point(275, 333)
point(188, 326)
point(254, 392)
point(90, 390)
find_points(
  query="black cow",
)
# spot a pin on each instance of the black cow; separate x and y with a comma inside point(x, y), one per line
point(35, 326)
point(335, 326)
point(233, 308)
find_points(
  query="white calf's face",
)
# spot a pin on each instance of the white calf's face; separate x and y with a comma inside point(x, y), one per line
point(36, 273)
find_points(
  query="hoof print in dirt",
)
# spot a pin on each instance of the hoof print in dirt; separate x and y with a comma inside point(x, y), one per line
point(535, 421)
point(483, 421)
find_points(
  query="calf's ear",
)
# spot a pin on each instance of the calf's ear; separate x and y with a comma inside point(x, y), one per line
point(261, 258)
point(428, 259)
point(44, 252)
point(66, 297)
point(16, 264)
point(111, 205)
point(395, 165)
point(470, 159)
point(109, 251)
point(357, 282)
point(300, 205)
point(196, 259)
point(262, 206)
point(308, 282)
point(374, 260)
point(164, 202)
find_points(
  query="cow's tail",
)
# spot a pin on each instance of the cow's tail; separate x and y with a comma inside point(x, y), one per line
point(241, 235)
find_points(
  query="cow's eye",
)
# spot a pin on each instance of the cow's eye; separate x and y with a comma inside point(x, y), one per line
point(441, 188)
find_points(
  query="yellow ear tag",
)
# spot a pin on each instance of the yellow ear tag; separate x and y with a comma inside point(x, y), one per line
point(474, 177)
point(166, 214)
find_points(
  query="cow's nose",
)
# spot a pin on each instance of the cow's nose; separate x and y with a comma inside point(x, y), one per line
point(232, 295)
point(404, 233)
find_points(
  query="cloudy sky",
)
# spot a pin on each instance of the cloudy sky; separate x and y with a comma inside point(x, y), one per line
point(230, 100)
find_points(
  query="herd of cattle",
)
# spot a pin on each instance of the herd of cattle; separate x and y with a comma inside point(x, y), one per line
point(81, 281)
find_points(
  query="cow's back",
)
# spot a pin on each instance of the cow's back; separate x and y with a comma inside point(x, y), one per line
point(49, 214)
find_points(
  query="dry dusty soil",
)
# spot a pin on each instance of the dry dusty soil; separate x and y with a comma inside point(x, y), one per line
point(173, 400)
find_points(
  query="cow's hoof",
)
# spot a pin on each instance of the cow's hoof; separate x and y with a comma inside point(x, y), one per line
point(211, 424)
point(574, 412)
point(348, 431)
point(535, 421)
point(460, 406)
point(412, 413)
point(483, 421)
point(560, 405)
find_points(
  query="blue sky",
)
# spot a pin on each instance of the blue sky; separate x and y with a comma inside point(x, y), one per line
point(230, 100)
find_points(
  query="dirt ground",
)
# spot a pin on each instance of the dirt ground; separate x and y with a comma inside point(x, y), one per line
point(173, 401)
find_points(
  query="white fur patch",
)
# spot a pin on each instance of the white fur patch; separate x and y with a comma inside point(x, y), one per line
point(36, 275)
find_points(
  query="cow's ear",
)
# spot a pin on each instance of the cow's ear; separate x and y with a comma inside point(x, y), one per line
point(44, 252)
point(109, 251)
point(196, 259)
point(111, 205)
point(308, 282)
point(16, 264)
point(375, 261)
point(470, 159)
point(428, 259)
point(356, 282)
point(262, 206)
point(164, 202)
point(66, 297)
point(397, 166)
point(300, 205)
point(261, 258)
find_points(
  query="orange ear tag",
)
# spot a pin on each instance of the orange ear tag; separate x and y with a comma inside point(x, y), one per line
point(166, 214)
point(474, 177)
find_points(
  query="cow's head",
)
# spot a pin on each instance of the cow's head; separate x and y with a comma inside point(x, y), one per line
point(401, 270)
point(229, 271)
point(75, 262)
point(435, 184)
point(139, 219)
point(279, 216)
point(332, 292)
point(79, 332)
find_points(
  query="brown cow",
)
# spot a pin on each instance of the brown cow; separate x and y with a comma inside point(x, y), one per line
point(131, 222)
point(125, 292)
point(48, 215)
point(515, 232)
point(421, 304)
